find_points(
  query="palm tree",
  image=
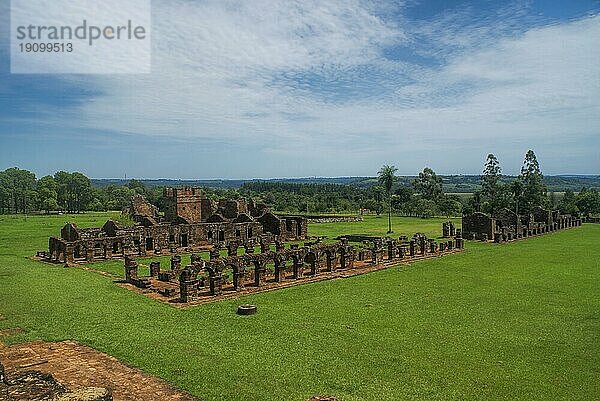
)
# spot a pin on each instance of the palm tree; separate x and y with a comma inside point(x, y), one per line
point(386, 179)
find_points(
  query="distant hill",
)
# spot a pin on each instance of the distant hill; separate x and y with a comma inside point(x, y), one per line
point(452, 183)
point(102, 182)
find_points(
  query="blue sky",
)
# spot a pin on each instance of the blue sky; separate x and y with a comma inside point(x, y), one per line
point(284, 88)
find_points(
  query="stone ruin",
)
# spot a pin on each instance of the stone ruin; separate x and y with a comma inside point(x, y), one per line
point(448, 229)
point(190, 223)
point(33, 385)
point(276, 266)
point(506, 225)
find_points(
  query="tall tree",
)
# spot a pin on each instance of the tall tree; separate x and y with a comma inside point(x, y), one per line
point(74, 191)
point(19, 185)
point(82, 191)
point(490, 183)
point(47, 194)
point(387, 177)
point(449, 205)
point(568, 203)
point(588, 202)
point(516, 189)
point(5, 194)
point(534, 188)
point(64, 190)
point(428, 184)
point(402, 196)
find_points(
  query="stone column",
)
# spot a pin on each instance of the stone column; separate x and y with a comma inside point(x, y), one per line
point(216, 284)
point(131, 270)
point(422, 246)
point(69, 254)
point(154, 269)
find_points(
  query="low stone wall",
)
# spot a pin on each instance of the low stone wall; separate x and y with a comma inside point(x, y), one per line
point(334, 219)
point(592, 220)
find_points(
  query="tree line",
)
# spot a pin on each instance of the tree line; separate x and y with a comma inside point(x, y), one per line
point(424, 196)
point(527, 191)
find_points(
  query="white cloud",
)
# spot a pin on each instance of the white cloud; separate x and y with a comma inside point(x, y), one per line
point(215, 64)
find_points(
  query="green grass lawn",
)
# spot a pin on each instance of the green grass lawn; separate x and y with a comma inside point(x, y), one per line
point(514, 321)
point(378, 226)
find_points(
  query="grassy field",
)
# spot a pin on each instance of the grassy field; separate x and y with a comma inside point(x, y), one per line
point(378, 226)
point(515, 321)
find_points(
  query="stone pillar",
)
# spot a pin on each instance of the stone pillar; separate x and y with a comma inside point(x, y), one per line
point(89, 254)
point(216, 284)
point(259, 274)
point(131, 270)
point(422, 245)
point(70, 255)
point(412, 247)
point(154, 269)
point(215, 254)
point(298, 269)
point(175, 262)
point(374, 255)
point(238, 279)
point(280, 271)
point(390, 250)
point(264, 247)
point(432, 246)
point(343, 259)
point(232, 248)
point(279, 246)
point(183, 286)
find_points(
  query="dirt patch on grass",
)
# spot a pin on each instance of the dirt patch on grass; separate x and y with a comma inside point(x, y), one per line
point(11, 332)
point(76, 366)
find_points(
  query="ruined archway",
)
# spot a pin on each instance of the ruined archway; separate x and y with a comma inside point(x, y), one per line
point(311, 260)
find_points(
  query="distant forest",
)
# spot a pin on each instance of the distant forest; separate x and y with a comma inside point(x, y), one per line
point(459, 184)
point(424, 195)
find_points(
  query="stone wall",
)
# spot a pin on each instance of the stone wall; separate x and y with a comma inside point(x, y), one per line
point(506, 225)
point(186, 226)
point(478, 226)
point(334, 219)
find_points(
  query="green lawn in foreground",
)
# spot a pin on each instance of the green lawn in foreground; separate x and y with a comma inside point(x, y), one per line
point(513, 321)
